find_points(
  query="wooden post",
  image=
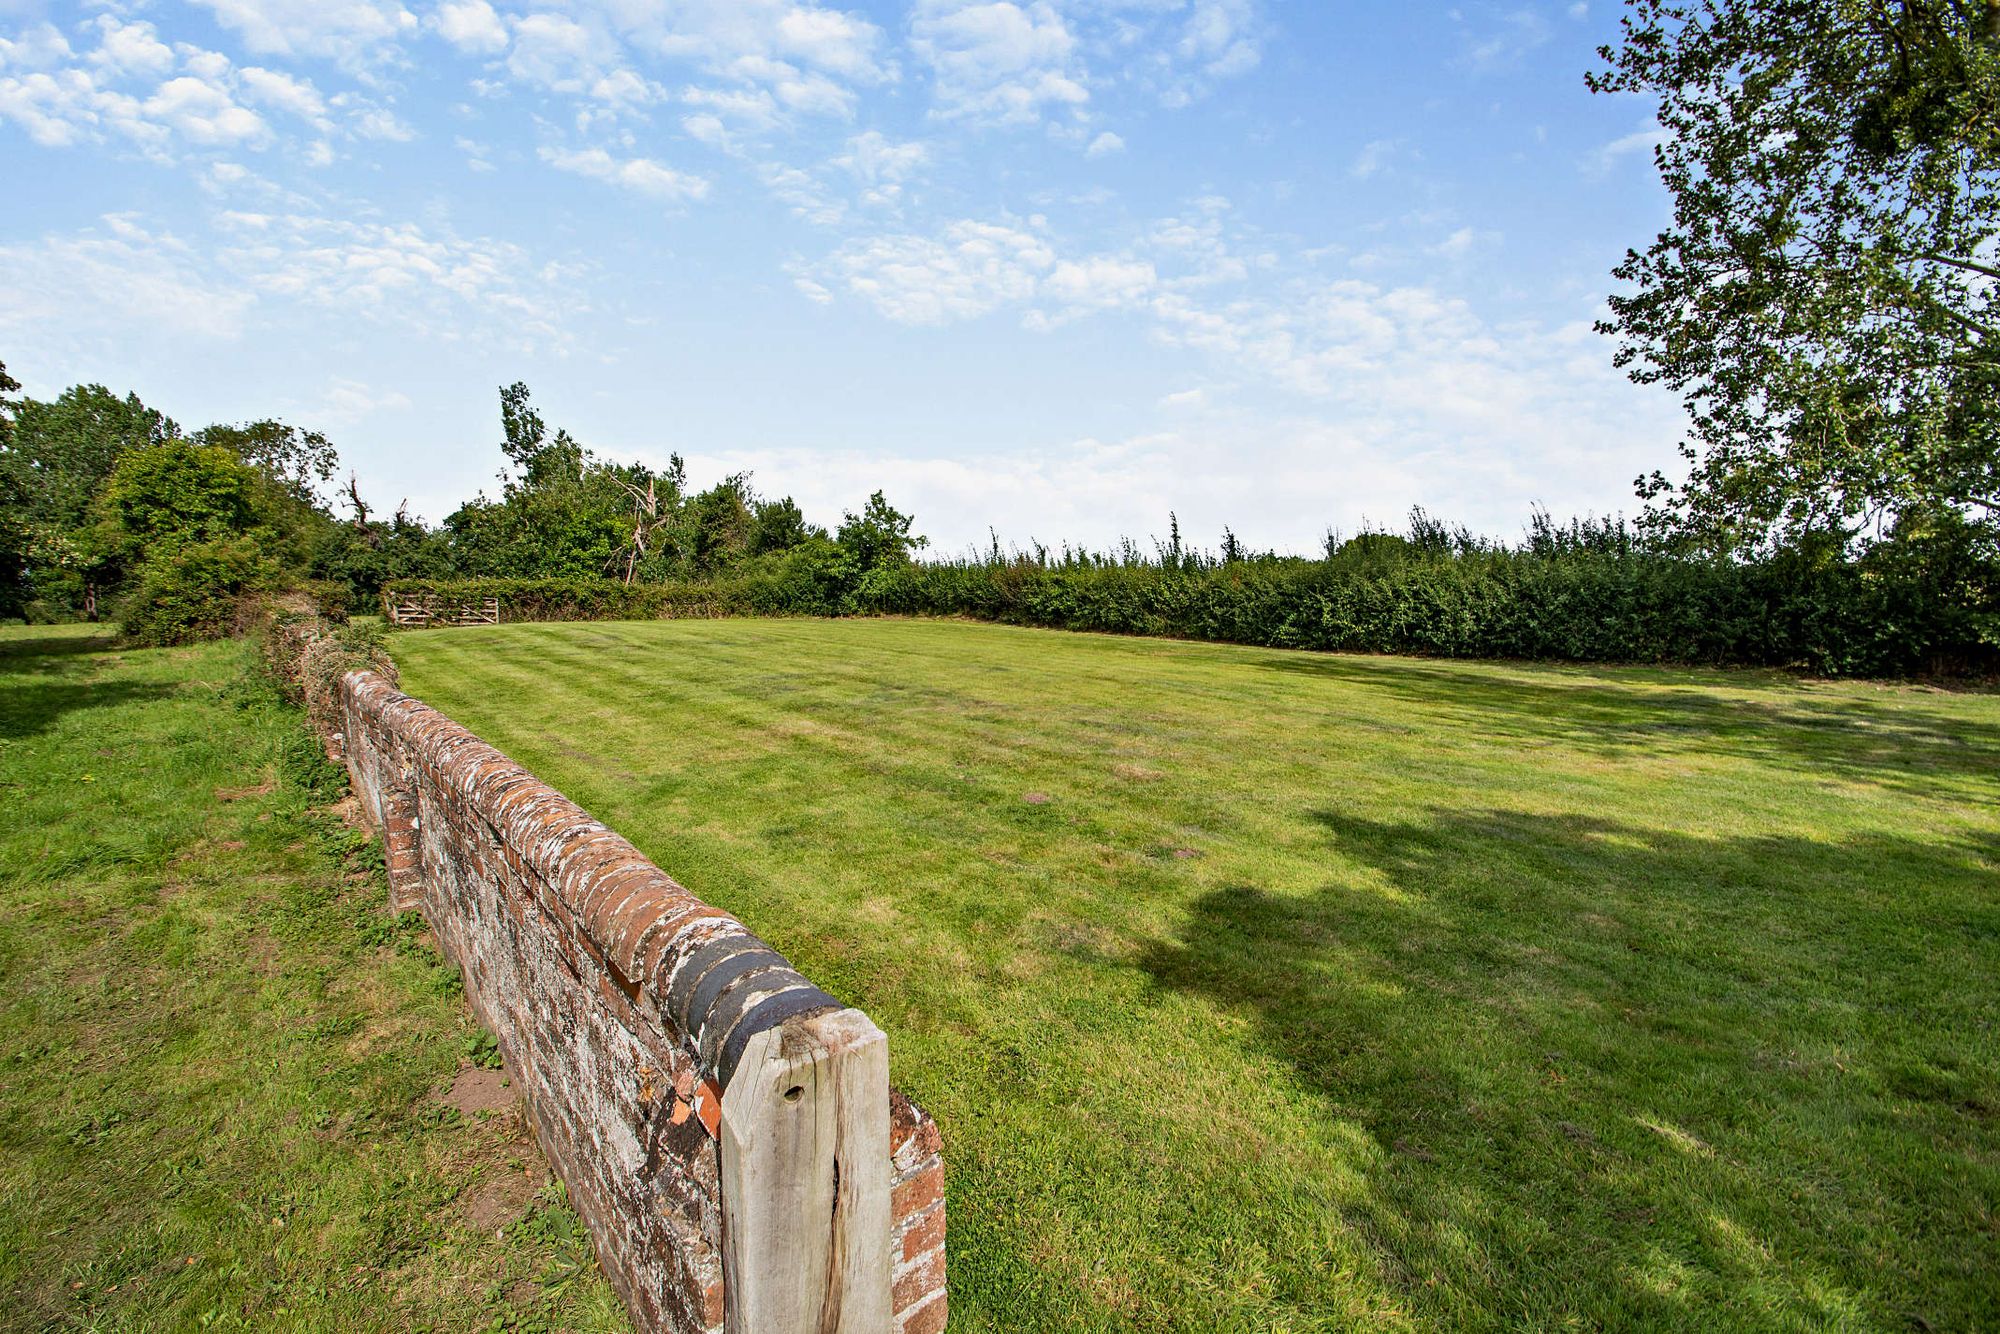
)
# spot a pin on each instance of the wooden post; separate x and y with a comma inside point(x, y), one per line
point(805, 1180)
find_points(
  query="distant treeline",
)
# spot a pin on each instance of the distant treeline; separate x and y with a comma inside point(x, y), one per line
point(108, 508)
point(1587, 591)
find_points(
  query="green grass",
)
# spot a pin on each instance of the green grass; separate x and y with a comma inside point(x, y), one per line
point(221, 1063)
point(1264, 990)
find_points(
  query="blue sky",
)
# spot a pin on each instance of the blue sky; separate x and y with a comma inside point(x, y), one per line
point(1053, 266)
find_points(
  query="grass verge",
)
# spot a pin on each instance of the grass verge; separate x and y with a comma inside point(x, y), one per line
point(233, 1093)
point(1258, 990)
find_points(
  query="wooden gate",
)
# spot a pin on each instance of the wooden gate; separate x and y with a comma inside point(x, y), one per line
point(422, 610)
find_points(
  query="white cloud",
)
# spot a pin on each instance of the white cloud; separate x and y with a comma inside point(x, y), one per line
point(1075, 288)
point(813, 94)
point(92, 289)
point(642, 175)
point(344, 29)
point(40, 47)
point(878, 160)
point(1395, 396)
point(622, 88)
point(117, 91)
point(1219, 38)
point(346, 402)
point(997, 60)
point(377, 123)
point(130, 48)
point(1270, 478)
point(836, 42)
point(204, 113)
point(476, 154)
point(1104, 145)
point(742, 109)
point(56, 110)
point(282, 92)
point(1641, 141)
point(970, 270)
point(558, 53)
point(799, 57)
point(470, 25)
point(1499, 41)
point(1461, 243)
point(1373, 157)
point(422, 280)
point(802, 193)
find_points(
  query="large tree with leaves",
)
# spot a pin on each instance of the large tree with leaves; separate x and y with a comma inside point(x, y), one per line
point(1827, 298)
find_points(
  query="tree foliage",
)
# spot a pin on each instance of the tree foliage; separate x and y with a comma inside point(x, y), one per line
point(1825, 296)
point(879, 536)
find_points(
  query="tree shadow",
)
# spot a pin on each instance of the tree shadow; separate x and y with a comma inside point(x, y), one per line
point(1632, 1068)
point(1909, 745)
point(44, 681)
point(57, 646)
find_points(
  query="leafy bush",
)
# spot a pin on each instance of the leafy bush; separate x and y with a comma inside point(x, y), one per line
point(186, 594)
point(1927, 602)
point(305, 651)
point(1895, 612)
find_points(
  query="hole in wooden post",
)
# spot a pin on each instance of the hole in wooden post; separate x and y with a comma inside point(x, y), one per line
point(795, 1092)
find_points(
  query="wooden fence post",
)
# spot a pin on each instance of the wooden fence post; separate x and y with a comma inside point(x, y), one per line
point(805, 1180)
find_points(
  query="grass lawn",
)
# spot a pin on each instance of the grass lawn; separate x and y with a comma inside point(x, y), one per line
point(1265, 990)
point(233, 1094)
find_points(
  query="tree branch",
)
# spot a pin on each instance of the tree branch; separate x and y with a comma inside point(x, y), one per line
point(1965, 264)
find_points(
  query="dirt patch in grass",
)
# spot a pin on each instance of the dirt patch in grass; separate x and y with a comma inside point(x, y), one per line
point(502, 1197)
point(1137, 773)
point(263, 789)
point(474, 1091)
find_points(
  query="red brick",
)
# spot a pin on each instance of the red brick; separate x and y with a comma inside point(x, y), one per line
point(918, 1193)
point(918, 1281)
point(923, 1232)
point(930, 1319)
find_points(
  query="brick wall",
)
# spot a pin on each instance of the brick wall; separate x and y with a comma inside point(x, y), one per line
point(621, 1004)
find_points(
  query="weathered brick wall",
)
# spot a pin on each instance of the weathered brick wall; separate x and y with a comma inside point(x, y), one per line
point(621, 1004)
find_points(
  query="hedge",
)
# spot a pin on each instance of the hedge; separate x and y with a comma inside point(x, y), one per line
point(1898, 613)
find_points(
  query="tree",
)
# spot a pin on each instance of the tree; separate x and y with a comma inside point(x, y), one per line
point(14, 586)
point(54, 459)
point(879, 535)
point(779, 525)
point(174, 494)
point(8, 407)
point(717, 525)
point(298, 460)
point(562, 513)
point(64, 450)
point(1825, 298)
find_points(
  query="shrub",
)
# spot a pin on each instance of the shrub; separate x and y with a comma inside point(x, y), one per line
point(190, 593)
point(305, 651)
point(1927, 602)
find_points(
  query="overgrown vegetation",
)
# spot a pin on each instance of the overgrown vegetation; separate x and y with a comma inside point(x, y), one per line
point(188, 535)
point(225, 1072)
point(1588, 592)
point(1267, 990)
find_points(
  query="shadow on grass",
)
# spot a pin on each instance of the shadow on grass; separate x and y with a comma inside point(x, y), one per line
point(1610, 1070)
point(57, 646)
point(31, 707)
point(1908, 746)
